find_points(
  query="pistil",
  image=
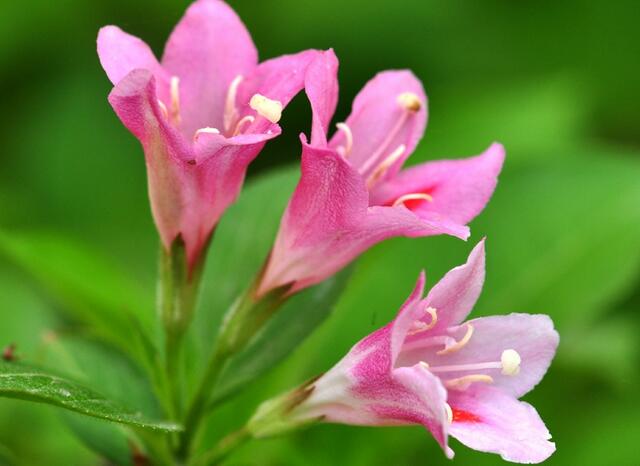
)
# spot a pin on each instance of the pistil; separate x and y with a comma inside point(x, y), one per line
point(230, 111)
point(348, 135)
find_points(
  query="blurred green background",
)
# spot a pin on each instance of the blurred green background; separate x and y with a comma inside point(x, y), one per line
point(555, 81)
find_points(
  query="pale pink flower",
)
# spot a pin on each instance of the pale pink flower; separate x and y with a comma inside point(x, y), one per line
point(352, 193)
point(456, 378)
point(202, 114)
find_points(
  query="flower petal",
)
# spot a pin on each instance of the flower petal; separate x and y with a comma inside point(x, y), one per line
point(278, 79)
point(321, 86)
point(328, 204)
point(457, 292)
point(120, 53)
point(207, 49)
point(486, 419)
point(134, 101)
point(459, 189)
point(380, 125)
point(532, 336)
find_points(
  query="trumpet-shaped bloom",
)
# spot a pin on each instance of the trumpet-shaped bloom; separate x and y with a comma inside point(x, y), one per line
point(352, 192)
point(202, 114)
point(456, 378)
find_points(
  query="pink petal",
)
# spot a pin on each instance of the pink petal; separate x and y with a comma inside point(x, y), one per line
point(486, 419)
point(456, 293)
point(328, 224)
point(207, 49)
point(134, 101)
point(329, 202)
point(120, 53)
point(375, 118)
point(459, 189)
point(532, 336)
point(321, 86)
point(278, 79)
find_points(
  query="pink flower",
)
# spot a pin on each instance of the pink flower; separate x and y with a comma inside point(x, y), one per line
point(352, 192)
point(456, 378)
point(202, 114)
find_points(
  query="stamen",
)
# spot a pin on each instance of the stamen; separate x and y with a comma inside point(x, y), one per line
point(409, 101)
point(230, 112)
point(346, 149)
point(206, 130)
point(412, 197)
point(420, 326)
point(175, 99)
point(449, 412)
point(510, 360)
point(247, 119)
point(460, 344)
point(380, 171)
point(163, 108)
point(267, 108)
point(462, 383)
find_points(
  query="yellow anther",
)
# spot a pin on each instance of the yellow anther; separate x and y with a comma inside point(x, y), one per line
point(459, 344)
point(267, 108)
point(206, 130)
point(448, 412)
point(239, 127)
point(510, 360)
point(462, 383)
point(412, 197)
point(410, 101)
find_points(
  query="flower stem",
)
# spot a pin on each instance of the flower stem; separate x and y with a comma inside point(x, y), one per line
point(243, 320)
point(224, 448)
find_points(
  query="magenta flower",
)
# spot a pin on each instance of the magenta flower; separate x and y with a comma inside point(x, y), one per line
point(202, 114)
point(352, 192)
point(456, 378)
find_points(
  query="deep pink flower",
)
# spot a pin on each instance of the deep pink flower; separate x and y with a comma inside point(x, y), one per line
point(202, 114)
point(456, 378)
point(352, 192)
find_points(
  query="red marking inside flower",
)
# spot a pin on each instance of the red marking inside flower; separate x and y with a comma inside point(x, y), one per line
point(460, 415)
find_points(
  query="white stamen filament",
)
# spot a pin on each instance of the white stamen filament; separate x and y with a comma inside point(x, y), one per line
point(509, 363)
point(412, 197)
point(230, 111)
point(419, 326)
point(206, 130)
point(380, 171)
point(410, 103)
point(239, 127)
point(458, 345)
point(267, 108)
point(462, 383)
point(174, 86)
point(348, 135)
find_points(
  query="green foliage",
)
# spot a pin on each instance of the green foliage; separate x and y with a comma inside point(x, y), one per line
point(32, 384)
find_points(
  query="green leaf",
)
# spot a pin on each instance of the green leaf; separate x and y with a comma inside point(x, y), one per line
point(242, 242)
point(292, 324)
point(89, 288)
point(32, 384)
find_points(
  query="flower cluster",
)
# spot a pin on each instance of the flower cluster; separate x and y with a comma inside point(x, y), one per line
point(205, 111)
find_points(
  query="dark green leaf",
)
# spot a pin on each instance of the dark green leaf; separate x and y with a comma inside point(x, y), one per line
point(32, 384)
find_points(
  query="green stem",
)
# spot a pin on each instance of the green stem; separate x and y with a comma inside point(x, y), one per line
point(224, 448)
point(245, 318)
point(177, 294)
